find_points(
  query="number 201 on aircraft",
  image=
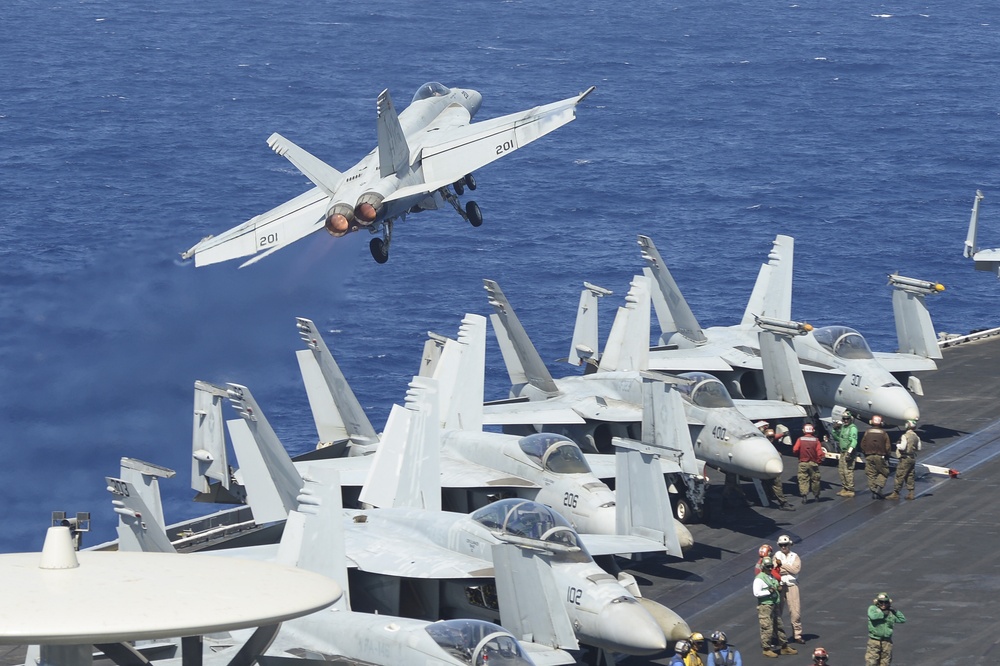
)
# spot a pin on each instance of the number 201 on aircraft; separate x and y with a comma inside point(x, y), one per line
point(268, 239)
point(505, 146)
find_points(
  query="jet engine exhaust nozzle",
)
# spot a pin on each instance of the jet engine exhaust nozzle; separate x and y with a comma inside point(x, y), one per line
point(339, 220)
point(368, 207)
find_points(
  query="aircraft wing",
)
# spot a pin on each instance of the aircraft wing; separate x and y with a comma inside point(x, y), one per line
point(568, 412)
point(603, 465)
point(687, 360)
point(619, 544)
point(458, 473)
point(399, 554)
point(894, 362)
point(756, 410)
point(463, 150)
point(266, 233)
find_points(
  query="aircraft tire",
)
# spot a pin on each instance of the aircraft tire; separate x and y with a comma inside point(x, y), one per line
point(683, 511)
point(475, 215)
point(459, 186)
point(378, 250)
point(470, 182)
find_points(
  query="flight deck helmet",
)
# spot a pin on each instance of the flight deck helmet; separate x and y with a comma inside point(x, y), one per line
point(718, 637)
point(808, 429)
point(784, 540)
point(766, 564)
point(764, 550)
point(820, 656)
point(910, 424)
point(876, 420)
point(682, 647)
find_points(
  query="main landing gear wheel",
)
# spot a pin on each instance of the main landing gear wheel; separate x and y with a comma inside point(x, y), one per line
point(470, 182)
point(459, 186)
point(380, 253)
point(474, 214)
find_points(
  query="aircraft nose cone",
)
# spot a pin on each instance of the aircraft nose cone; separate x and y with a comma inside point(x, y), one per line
point(671, 624)
point(757, 458)
point(895, 405)
point(625, 626)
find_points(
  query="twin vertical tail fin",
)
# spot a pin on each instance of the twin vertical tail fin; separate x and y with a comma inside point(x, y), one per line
point(461, 376)
point(208, 441)
point(673, 312)
point(772, 293)
point(970, 239)
point(641, 500)
point(319, 172)
point(313, 538)
point(393, 151)
point(271, 480)
point(524, 365)
point(140, 511)
point(627, 348)
point(336, 411)
point(914, 328)
point(406, 468)
point(585, 347)
point(531, 605)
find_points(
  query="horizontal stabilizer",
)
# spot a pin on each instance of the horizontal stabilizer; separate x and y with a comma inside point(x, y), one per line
point(319, 172)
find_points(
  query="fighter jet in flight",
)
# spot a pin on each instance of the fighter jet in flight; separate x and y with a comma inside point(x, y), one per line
point(832, 367)
point(425, 158)
point(986, 260)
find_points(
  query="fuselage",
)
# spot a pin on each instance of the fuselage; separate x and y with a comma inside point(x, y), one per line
point(722, 436)
point(837, 364)
point(603, 612)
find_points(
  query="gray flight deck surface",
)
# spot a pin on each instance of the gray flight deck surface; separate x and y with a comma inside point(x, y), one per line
point(937, 556)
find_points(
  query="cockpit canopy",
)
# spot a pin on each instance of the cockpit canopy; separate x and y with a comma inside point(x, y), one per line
point(432, 89)
point(477, 642)
point(843, 342)
point(705, 390)
point(528, 520)
point(554, 453)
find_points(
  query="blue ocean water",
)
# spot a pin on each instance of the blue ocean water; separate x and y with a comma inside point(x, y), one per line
point(130, 130)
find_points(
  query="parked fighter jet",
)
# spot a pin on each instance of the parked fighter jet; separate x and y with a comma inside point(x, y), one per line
point(425, 157)
point(835, 368)
point(476, 465)
point(986, 260)
point(313, 539)
point(595, 407)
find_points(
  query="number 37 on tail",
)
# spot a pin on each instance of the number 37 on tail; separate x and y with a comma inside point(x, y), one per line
point(425, 158)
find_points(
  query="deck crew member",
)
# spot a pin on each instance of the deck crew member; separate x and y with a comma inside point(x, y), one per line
point(907, 449)
point(766, 589)
point(722, 653)
point(810, 453)
point(882, 617)
point(876, 446)
point(845, 434)
point(790, 565)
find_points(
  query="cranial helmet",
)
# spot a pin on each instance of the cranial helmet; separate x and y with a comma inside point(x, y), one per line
point(764, 550)
point(718, 636)
point(883, 598)
point(876, 420)
point(697, 637)
point(766, 563)
point(846, 417)
point(808, 429)
point(784, 539)
point(910, 425)
point(820, 653)
point(682, 646)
